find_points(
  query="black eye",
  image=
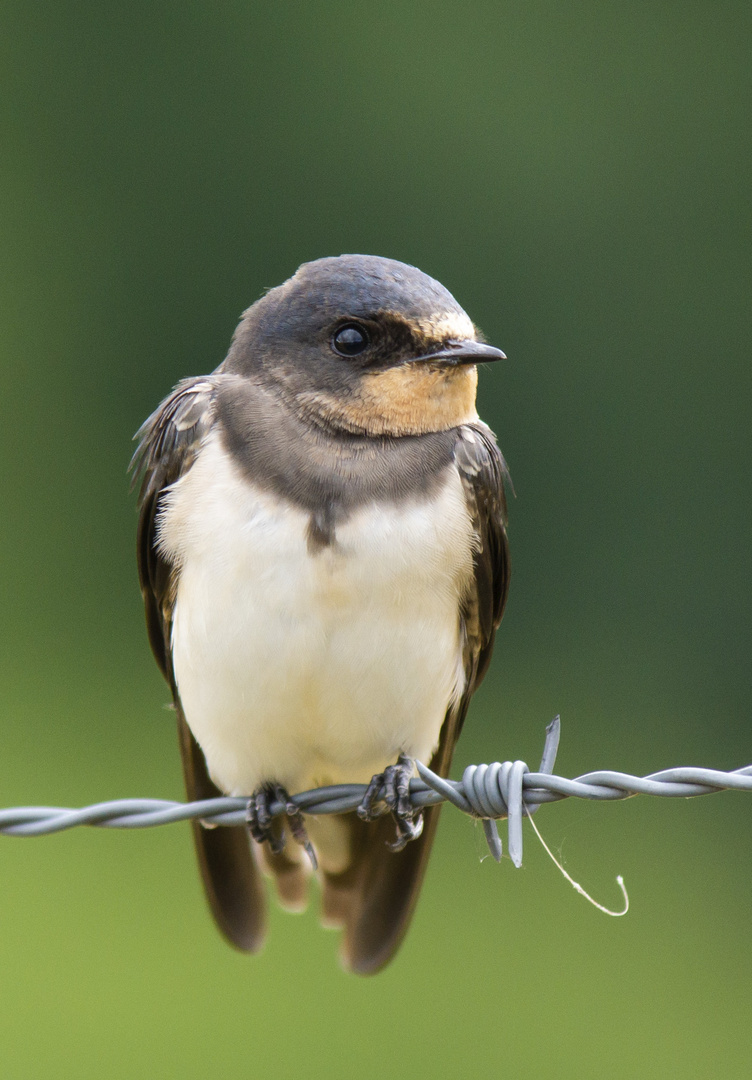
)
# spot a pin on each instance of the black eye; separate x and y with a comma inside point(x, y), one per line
point(350, 340)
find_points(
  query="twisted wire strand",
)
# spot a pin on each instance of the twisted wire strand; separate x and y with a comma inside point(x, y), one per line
point(488, 792)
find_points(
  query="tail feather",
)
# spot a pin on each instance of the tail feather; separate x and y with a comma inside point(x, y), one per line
point(374, 898)
point(291, 877)
point(232, 881)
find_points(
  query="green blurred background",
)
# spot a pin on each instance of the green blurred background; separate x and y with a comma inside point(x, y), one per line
point(578, 175)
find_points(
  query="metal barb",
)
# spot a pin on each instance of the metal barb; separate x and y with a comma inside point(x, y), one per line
point(495, 791)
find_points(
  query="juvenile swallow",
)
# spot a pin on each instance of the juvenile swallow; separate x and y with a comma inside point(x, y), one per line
point(323, 558)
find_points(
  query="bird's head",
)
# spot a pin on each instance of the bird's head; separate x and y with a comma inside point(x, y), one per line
point(366, 345)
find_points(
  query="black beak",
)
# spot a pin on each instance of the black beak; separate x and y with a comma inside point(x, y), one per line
point(457, 353)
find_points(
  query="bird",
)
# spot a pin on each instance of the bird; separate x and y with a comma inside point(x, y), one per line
point(323, 558)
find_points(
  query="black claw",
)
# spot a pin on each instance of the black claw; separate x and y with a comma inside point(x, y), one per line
point(257, 816)
point(369, 808)
point(260, 821)
point(390, 791)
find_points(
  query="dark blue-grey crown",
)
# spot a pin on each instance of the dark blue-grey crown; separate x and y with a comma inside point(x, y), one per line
point(343, 286)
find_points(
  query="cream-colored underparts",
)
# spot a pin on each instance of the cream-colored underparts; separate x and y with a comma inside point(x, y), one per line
point(308, 669)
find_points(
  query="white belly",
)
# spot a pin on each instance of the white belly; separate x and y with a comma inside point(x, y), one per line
point(309, 668)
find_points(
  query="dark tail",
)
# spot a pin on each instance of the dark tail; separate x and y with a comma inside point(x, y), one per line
point(374, 899)
point(232, 881)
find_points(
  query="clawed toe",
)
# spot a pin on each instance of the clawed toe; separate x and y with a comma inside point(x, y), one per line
point(259, 817)
point(300, 833)
point(391, 790)
point(260, 821)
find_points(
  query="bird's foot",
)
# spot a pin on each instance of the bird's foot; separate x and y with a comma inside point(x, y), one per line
point(260, 821)
point(392, 788)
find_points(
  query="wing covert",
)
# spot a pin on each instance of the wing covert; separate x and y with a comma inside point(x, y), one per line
point(484, 474)
point(168, 443)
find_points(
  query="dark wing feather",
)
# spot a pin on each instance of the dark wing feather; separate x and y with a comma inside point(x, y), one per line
point(485, 475)
point(375, 897)
point(168, 444)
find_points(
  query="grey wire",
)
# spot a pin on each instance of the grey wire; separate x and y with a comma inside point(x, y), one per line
point(488, 792)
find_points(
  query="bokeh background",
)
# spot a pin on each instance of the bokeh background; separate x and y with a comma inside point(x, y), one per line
point(578, 175)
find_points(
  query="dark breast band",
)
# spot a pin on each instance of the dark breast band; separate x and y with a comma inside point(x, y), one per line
point(328, 474)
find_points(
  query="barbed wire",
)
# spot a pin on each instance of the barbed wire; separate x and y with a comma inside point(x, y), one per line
point(486, 792)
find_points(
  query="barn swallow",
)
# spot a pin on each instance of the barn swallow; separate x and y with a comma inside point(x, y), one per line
point(323, 558)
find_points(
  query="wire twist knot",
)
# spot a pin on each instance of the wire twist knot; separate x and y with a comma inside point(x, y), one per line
point(492, 792)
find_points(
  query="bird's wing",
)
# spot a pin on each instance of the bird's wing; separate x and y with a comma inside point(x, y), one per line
point(375, 897)
point(484, 476)
point(168, 444)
